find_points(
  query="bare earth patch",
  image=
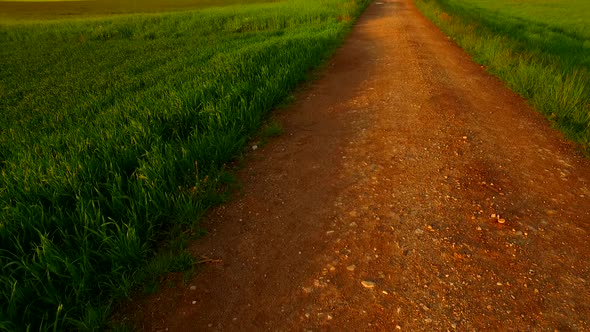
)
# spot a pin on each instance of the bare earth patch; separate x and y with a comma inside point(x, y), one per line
point(411, 190)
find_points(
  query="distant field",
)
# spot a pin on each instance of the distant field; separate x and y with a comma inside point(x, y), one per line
point(541, 48)
point(41, 0)
point(17, 11)
point(570, 16)
point(115, 134)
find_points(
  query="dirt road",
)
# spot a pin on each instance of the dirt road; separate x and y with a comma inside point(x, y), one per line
point(374, 210)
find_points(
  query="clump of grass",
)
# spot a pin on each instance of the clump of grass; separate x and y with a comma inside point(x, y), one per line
point(272, 129)
point(541, 55)
point(114, 134)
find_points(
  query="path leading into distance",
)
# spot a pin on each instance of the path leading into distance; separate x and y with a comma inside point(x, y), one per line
point(374, 210)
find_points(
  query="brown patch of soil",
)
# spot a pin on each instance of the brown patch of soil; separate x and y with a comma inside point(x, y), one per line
point(374, 210)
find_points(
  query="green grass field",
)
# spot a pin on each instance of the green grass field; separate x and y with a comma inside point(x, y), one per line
point(541, 48)
point(114, 136)
point(42, 10)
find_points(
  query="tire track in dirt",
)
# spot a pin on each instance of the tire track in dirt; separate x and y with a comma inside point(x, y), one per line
point(390, 169)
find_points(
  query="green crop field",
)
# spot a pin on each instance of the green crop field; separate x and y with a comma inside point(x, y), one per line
point(541, 48)
point(114, 136)
point(31, 10)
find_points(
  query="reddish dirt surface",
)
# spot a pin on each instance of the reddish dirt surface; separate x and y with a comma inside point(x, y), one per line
point(390, 168)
